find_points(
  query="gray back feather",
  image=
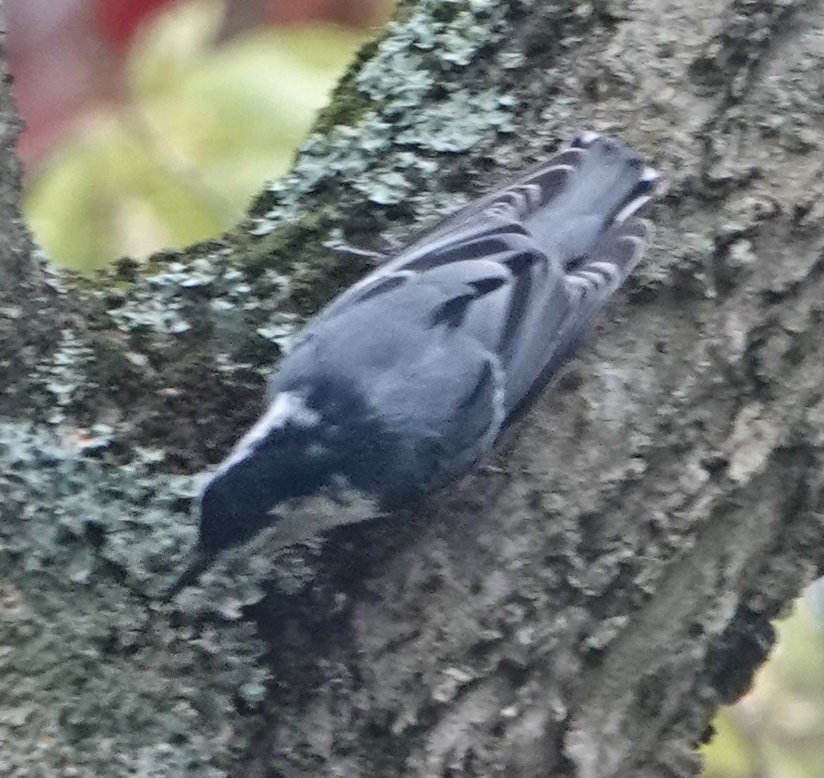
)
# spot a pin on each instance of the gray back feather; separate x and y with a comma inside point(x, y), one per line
point(480, 313)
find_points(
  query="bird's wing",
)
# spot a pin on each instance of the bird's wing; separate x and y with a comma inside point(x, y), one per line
point(522, 271)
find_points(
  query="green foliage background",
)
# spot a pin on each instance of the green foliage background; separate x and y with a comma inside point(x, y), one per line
point(203, 127)
point(777, 730)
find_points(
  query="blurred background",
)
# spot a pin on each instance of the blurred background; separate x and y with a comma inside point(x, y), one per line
point(151, 124)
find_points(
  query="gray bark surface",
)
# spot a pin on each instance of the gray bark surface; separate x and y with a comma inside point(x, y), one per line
point(584, 602)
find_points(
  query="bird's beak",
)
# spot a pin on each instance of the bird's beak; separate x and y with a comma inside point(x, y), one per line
point(200, 559)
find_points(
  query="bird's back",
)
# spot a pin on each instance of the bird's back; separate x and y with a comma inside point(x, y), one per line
point(454, 337)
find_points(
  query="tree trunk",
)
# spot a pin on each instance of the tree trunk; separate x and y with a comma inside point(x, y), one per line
point(578, 607)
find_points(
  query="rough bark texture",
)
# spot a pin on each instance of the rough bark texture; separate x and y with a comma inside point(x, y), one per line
point(582, 607)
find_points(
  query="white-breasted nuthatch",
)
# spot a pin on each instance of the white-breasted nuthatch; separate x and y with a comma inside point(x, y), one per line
point(408, 377)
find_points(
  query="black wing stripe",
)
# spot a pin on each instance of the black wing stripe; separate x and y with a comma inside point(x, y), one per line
point(484, 248)
point(530, 194)
point(386, 284)
point(543, 173)
point(486, 285)
point(453, 311)
point(481, 388)
point(482, 410)
point(527, 269)
point(489, 238)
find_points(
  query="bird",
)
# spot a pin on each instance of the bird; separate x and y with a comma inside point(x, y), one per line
point(402, 383)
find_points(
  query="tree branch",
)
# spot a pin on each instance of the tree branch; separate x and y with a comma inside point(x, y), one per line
point(582, 607)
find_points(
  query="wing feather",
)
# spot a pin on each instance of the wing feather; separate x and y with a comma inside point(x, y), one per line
point(521, 272)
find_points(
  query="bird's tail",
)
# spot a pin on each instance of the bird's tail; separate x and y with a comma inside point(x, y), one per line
point(584, 221)
point(602, 185)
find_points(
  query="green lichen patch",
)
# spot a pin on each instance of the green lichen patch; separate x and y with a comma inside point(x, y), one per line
point(413, 101)
point(96, 678)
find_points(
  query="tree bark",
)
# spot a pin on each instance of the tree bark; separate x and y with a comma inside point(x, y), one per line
point(579, 606)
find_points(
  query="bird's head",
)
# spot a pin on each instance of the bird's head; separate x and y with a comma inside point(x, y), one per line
point(283, 456)
point(304, 445)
